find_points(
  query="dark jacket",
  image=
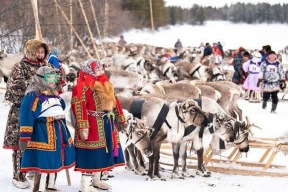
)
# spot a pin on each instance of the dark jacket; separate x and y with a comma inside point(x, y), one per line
point(238, 74)
point(207, 51)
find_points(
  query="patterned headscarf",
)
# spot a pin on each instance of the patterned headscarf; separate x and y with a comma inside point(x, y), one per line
point(87, 76)
point(39, 84)
point(91, 65)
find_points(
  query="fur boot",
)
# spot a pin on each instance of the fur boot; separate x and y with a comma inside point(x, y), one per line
point(98, 183)
point(42, 182)
point(85, 184)
point(51, 180)
point(19, 178)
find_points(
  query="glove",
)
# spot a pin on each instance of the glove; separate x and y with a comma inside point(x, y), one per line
point(259, 81)
point(282, 84)
point(84, 134)
point(23, 145)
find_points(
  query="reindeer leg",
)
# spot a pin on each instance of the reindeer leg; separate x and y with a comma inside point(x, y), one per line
point(128, 165)
point(175, 149)
point(183, 155)
point(201, 169)
point(133, 159)
point(140, 162)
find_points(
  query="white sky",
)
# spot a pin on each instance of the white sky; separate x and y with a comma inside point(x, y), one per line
point(217, 3)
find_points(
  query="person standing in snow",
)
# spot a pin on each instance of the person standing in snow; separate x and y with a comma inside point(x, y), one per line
point(270, 75)
point(36, 52)
point(252, 67)
point(45, 141)
point(99, 118)
point(239, 76)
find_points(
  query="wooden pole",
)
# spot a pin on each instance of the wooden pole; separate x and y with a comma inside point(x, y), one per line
point(151, 15)
point(71, 30)
point(106, 20)
point(96, 24)
point(78, 37)
point(89, 30)
point(37, 23)
point(59, 27)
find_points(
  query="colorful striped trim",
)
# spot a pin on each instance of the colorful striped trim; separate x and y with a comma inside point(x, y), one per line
point(26, 129)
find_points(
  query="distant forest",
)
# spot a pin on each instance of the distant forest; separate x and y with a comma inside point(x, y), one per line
point(197, 15)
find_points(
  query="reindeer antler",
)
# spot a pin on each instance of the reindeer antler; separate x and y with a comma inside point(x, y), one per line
point(249, 126)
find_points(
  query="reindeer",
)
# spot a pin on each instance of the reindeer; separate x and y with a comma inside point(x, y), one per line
point(136, 139)
point(176, 115)
point(7, 62)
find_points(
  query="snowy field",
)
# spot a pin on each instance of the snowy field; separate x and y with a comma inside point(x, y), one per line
point(273, 125)
point(232, 36)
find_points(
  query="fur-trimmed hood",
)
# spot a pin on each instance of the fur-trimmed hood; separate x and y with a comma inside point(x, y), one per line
point(31, 47)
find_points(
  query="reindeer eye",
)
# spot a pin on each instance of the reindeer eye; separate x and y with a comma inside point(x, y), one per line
point(192, 111)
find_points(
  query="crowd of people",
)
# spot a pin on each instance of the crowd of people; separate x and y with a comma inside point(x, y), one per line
point(36, 129)
point(258, 72)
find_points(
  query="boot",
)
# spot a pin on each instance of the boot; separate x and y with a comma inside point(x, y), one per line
point(274, 106)
point(42, 183)
point(98, 183)
point(51, 180)
point(19, 178)
point(85, 184)
point(264, 104)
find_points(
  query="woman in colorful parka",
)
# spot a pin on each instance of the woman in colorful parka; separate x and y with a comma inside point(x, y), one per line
point(99, 118)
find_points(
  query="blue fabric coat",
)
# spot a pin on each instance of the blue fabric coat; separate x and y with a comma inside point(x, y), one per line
point(50, 147)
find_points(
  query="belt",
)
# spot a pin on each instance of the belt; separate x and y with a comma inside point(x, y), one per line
point(100, 114)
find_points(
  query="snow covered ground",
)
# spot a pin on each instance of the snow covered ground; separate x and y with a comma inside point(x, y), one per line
point(273, 125)
point(231, 35)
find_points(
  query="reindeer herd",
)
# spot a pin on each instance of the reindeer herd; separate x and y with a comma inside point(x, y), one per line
point(164, 102)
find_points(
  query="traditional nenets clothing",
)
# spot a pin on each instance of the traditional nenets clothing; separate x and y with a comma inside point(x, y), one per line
point(270, 74)
point(19, 79)
point(44, 136)
point(98, 116)
point(252, 67)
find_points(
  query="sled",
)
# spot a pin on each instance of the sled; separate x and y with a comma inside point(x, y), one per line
point(229, 163)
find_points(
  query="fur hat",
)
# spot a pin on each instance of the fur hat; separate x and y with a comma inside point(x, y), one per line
point(246, 54)
point(31, 47)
